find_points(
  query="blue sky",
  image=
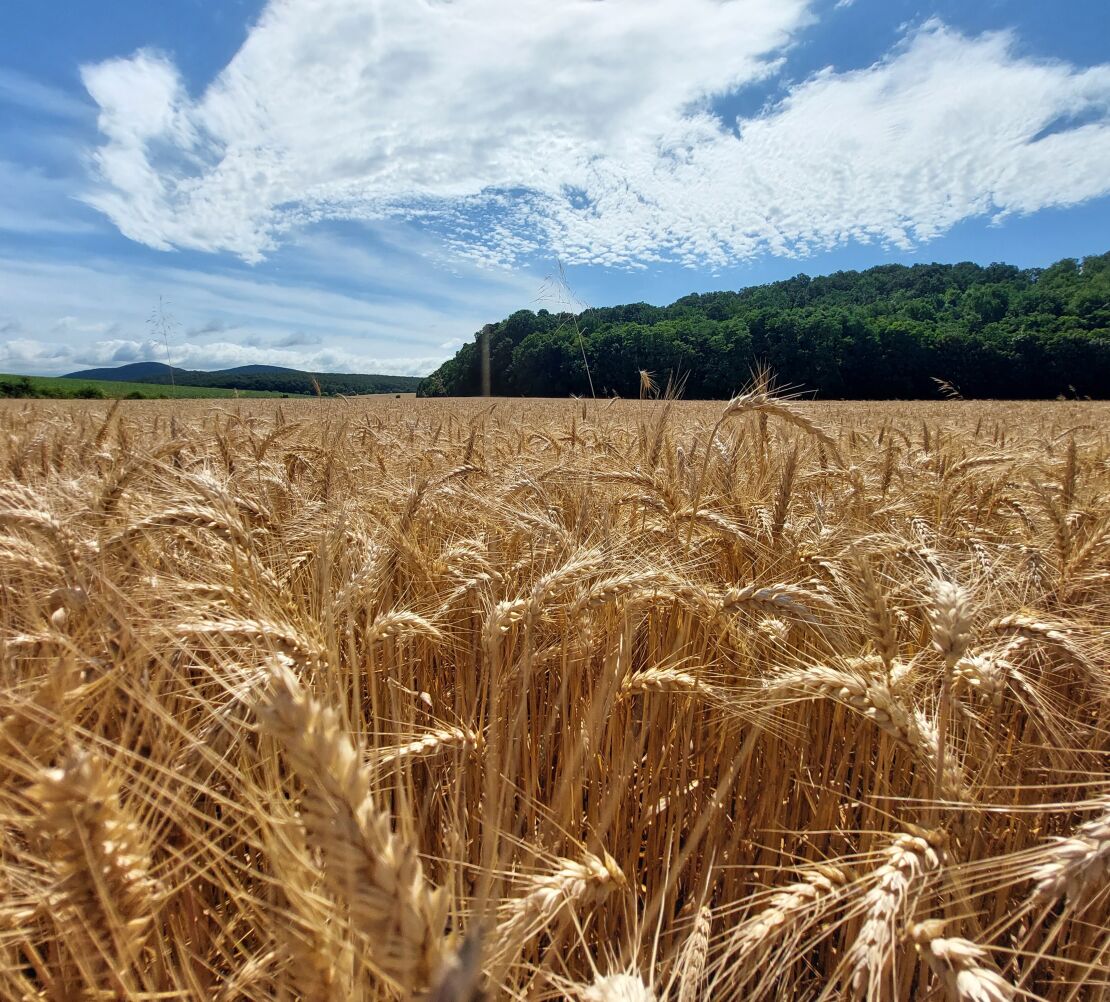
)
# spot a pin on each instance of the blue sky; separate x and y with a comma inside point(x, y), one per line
point(360, 184)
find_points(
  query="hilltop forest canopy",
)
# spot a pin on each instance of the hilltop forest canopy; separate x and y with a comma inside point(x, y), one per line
point(884, 333)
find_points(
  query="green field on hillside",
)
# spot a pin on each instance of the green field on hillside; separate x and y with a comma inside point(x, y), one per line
point(59, 387)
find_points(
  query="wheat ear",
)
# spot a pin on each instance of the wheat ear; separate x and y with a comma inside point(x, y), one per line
point(785, 909)
point(428, 744)
point(399, 622)
point(950, 618)
point(763, 402)
point(378, 875)
point(622, 987)
point(671, 680)
point(104, 896)
point(284, 638)
point(571, 882)
point(1078, 862)
point(634, 585)
point(908, 859)
point(879, 704)
point(695, 952)
point(961, 966)
point(782, 598)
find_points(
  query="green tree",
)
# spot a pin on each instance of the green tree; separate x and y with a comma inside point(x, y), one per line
point(880, 333)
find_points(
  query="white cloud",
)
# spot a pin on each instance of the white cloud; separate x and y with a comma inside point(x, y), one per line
point(26, 92)
point(33, 202)
point(297, 339)
point(23, 355)
point(363, 108)
point(62, 316)
point(583, 129)
point(207, 328)
point(943, 129)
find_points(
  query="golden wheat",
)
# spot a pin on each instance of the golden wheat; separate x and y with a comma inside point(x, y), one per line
point(371, 699)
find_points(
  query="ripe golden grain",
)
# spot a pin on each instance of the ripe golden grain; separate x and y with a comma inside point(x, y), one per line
point(376, 699)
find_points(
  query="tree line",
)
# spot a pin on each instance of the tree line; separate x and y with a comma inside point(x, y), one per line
point(889, 332)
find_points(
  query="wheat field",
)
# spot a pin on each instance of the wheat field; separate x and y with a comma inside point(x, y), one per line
point(602, 700)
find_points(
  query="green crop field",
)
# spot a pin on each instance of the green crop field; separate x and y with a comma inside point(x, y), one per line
point(61, 387)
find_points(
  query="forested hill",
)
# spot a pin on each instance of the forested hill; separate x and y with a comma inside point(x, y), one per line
point(270, 378)
point(887, 332)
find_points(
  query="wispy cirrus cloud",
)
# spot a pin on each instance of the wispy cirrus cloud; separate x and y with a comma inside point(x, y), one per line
point(206, 329)
point(19, 90)
point(33, 202)
point(66, 315)
point(584, 130)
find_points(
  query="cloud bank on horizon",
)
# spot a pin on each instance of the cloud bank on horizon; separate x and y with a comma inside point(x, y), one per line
point(590, 131)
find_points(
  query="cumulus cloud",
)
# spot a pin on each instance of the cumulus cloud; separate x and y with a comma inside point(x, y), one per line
point(586, 130)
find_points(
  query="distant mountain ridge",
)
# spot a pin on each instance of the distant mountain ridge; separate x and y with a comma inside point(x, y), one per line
point(253, 377)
